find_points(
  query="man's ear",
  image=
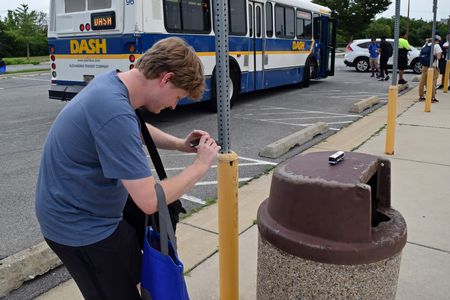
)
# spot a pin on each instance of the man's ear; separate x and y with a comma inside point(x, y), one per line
point(165, 77)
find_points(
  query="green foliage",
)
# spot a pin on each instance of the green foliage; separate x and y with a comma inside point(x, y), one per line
point(418, 30)
point(354, 16)
point(23, 33)
point(23, 60)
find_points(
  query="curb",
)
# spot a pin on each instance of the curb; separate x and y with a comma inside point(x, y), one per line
point(25, 265)
point(362, 105)
point(282, 146)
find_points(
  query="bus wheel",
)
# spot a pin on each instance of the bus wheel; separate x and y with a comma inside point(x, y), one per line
point(306, 74)
point(233, 86)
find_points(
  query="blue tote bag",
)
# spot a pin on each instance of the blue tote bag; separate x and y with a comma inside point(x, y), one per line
point(162, 272)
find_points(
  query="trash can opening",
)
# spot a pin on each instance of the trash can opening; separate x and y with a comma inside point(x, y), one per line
point(377, 216)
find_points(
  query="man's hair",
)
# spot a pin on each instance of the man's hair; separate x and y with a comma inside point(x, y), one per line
point(174, 55)
point(403, 32)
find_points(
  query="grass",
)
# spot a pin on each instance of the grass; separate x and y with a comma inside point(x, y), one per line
point(28, 71)
point(34, 60)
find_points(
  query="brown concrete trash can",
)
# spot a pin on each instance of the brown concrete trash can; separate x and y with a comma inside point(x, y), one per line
point(328, 231)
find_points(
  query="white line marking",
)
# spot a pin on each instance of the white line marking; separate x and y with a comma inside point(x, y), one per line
point(306, 118)
point(215, 166)
point(259, 161)
point(35, 79)
point(335, 129)
point(193, 199)
point(2, 88)
point(215, 182)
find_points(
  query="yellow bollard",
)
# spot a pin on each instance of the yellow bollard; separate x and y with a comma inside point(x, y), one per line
point(446, 76)
point(227, 190)
point(392, 116)
point(430, 74)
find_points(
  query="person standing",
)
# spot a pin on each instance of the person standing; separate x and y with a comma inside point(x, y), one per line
point(403, 49)
point(443, 61)
point(93, 158)
point(437, 52)
point(373, 54)
point(384, 57)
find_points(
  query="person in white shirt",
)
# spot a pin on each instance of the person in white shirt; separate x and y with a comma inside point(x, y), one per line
point(437, 51)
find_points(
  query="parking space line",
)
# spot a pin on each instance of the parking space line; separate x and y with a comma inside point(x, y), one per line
point(193, 199)
point(213, 182)
point(26, 78)
point(258, 161)
point(306, 118)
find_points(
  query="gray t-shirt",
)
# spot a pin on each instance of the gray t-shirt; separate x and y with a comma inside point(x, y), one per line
point(93, 143)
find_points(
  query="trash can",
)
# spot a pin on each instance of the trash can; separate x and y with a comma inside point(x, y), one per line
point(328, 231)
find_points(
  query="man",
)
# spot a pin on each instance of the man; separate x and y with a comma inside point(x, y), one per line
point(384, 57)
point(443, 61)
point(403, 48)
point(373, 56)
point(93, 158)
point(437, 52)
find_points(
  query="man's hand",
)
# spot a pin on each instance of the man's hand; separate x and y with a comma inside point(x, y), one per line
point(207, 150)
point(194, 135)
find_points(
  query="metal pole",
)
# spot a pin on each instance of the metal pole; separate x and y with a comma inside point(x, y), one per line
point(393, 89)
point(396, 35)
point(431, 69)
point(222, 73)
point(227, 169)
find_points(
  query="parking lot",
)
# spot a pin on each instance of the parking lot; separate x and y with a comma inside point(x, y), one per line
point(257, 119)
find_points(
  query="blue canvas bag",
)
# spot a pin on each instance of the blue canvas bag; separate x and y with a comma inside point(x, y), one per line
point(162, 272)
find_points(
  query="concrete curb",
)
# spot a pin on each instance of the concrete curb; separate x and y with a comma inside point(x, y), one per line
point(362, 105)
point(283, 145)
point(25, 265)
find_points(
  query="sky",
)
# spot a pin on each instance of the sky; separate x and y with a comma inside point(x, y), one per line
point(418, 8)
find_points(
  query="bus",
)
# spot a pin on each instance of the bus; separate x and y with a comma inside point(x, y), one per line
point(271, 42)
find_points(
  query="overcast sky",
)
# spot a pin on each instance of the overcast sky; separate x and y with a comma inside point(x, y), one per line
point(419, 8)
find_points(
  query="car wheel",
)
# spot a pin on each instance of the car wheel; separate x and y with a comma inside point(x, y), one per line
point(362, 64)
point(416, 66)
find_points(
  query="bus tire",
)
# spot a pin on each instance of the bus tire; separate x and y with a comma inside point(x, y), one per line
point(306, 80)
point(233, 85)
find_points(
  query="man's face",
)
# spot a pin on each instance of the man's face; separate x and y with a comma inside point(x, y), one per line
point(166, 96)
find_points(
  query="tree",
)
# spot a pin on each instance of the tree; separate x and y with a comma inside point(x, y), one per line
point(354, 16)
point(22, 25)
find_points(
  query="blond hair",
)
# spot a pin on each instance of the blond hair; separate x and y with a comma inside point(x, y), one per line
point(174, 55)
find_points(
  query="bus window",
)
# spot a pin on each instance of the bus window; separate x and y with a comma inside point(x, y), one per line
point(237, 17)
point(196, 16)
point(258, 21)
point(303, 22)
point(316, 27)
point(269, 19)
point(250, 21)
point(187, 16)
point(98, 4)
point(279, 21)
point(290, 22)
point(172, 14)
point(74, 5)
point(284, 22)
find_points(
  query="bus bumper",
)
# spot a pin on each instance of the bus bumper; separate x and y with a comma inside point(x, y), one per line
point(64, 92)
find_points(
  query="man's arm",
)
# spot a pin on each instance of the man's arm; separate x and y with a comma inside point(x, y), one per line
point(143, 191)
point(167, 141)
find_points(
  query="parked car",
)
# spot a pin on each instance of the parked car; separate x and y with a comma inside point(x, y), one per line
point(357, 55)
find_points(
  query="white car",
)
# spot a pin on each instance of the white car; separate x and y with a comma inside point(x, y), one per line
point(357, 55)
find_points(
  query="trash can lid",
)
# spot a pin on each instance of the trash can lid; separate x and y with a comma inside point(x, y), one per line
point(337, 214)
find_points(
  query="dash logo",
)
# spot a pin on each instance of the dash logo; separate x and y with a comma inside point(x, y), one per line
point(91, 46)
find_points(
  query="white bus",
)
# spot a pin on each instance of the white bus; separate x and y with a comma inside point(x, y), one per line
point(271, 43)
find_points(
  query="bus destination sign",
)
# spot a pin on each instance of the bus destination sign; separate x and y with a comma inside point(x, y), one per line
point(103, 20)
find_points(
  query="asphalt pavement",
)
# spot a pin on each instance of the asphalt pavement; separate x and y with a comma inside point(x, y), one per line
point(26, 114)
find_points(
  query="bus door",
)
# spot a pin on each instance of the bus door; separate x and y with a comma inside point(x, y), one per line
point(327, 46)
point(255, 47)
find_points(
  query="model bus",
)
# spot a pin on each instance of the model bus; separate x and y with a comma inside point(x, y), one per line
point(271, 43)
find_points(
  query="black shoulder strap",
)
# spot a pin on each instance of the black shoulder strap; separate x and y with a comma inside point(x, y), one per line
point(151, 147)
point(176, 207)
